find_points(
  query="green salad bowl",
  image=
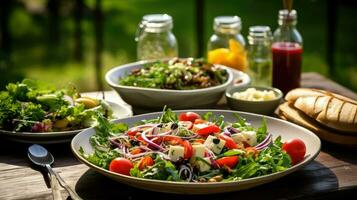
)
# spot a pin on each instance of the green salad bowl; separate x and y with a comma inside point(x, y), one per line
point(154, 99)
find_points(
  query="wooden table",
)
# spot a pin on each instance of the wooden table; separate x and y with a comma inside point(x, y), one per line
point(332, 175)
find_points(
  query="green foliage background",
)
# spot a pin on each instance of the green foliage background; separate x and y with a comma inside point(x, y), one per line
point(34, 55)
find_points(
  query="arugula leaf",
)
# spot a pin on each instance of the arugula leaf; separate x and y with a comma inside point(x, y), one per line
point(270, 160)
point(232, 152)
point(101, 159)
point(218, 120)
point(168, 116)
point(262, 131)
point(161, 170)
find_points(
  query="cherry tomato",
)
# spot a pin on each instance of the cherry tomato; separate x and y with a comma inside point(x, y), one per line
point(198, 141)
point(230, 161)
point(136, 151)
point(157, 140)
point(200, 121)
point(188, 149)
point(121, 166)
point(132, 132)
point(173, 140)
point(186, 124)
point(189, 116)
point(230, 144)
point(145, 162)
point(140, 139)
point(296, 149)
point(209, 129)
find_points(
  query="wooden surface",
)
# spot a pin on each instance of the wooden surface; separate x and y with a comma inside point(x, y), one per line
point(332, 175)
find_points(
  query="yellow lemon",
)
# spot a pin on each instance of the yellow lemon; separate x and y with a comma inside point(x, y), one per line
point(60, 123)
point(235, 46)
point(88, 102)
point(218, 56)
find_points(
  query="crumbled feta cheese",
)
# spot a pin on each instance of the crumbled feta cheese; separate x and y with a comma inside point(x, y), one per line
point(250, 137)
point(198, 150)
point(251, 94)
point(175, 152)
point(214, 144)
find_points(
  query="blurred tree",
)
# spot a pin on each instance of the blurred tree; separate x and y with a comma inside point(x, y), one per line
point(98, 29)
point(53, 24)
point(6, 64)
point(200, 7)
point(5, 37)
point(78, 43)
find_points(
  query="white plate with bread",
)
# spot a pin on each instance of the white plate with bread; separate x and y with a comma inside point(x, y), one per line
point(331, 116)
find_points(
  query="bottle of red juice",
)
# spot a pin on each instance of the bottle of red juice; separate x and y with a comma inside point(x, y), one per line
point(287, 52)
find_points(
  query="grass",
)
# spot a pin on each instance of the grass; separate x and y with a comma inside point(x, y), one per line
point(34, 55)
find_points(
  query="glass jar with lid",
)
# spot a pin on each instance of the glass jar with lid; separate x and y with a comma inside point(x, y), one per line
point(227, 46)
point(287, 52)
point(155, 38)
point(259, 55)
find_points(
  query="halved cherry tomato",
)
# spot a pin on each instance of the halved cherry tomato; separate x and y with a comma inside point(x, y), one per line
point(121, 166)
point(157, 140)
point(200, 121)
point(145, 162)
point(296, 149)
point(186, 124)
point(230, 144)
point(230, 161)
point(140, 139)
point(136, 151)
point(173, 140)
point(251, 151)
point(132, 132)
point(198, 141)
point(188, 149)
point(209, 129)
point(189, 116)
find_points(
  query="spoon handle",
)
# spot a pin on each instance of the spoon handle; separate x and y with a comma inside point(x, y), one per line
point(71, 192)
point(56, 191)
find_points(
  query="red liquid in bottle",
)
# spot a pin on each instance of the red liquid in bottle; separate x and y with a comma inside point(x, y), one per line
point(286, 65)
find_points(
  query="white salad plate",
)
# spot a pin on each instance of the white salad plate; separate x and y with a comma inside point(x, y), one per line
point(275, 126)
point(119, 111)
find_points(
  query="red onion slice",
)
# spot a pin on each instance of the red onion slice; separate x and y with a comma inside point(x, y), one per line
point(150, 143)
point(265, 140)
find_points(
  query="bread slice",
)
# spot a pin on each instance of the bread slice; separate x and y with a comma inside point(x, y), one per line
point(288, 112)
point(303, 92)
point(331, 110)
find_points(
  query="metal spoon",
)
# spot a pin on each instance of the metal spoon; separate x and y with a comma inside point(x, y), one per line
point(40, 156)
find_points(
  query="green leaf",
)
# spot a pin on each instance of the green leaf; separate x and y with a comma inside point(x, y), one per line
point(262, 131)
point(233, 152)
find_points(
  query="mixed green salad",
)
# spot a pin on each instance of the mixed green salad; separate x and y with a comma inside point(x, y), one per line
point(191, 147)
point(176, 74)
point(34, 106)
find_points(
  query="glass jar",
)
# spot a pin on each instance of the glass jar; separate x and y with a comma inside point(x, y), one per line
point(227, 46)
point(259, 55)
point(287, 52)
point(155, 38)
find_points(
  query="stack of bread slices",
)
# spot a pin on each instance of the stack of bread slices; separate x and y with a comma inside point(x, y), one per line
point(331, 116)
